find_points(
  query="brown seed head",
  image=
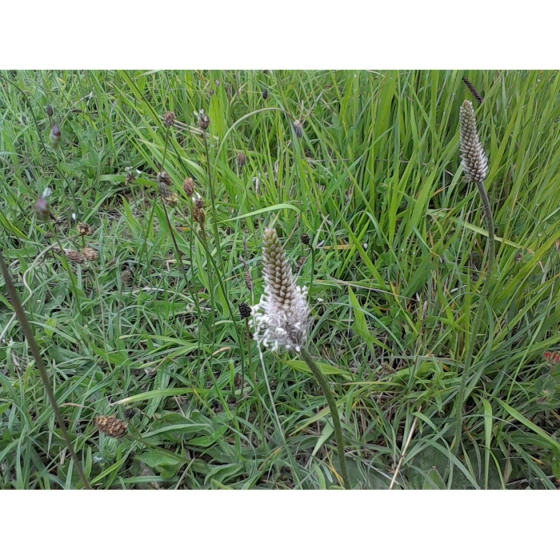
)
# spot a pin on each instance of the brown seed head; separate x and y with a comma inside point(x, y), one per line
point(199, 216)
point(112, 426)
point(171, 200)
point(265, 94)
point(199, 202)
point(90, 254)
point(305, 239)
point(169, 119)
point(241, 160)
point(164, 178)
point(49, 110)
point(76, 257)
point(203, 121)
point(244, 310)
point(84, 229)
point(298, 128)
point(189, 186)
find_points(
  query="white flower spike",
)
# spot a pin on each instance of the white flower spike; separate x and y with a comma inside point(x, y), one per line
point(281, 318)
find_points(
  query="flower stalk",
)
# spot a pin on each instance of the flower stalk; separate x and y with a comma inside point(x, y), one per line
point(475, 163)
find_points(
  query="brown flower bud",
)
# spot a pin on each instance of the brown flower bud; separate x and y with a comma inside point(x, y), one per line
point(164, 178)
point(241, 160)
point(265, 94)
point(90, 254)
point(203, 121)
point(199, 202)
point(112, 426)
point(76, 257)
point(84, 229)
point(244, 310)
point(199, 216)
point(49, 110)
point(189, 186)
point(305, 239)
point(169, 119)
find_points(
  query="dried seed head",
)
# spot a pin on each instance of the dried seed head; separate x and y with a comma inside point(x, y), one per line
point(164, 178)
point(189, 186)
point(472, 152)
point(84, 229)
point(203, 120)
point(126, 276)
point(169, 119)
point(171, 200)
point(244, 310)
point(281, 318)
point(55, 135)
point(168, 197)
point(241, 160)
point(298, 128)
point(49, 110)
point(199, 202)
point(112, 426)
point(305, 239)
point(90, 254)
point(76, 257)
point(199, 216)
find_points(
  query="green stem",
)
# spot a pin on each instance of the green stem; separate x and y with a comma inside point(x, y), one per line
point(213, 202)
point(334, 412)
point(491, 259)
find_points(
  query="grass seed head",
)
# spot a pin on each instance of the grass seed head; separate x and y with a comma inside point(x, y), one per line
point(472, 152)
point(49, 110)
point(298, 128)
point(111, 426)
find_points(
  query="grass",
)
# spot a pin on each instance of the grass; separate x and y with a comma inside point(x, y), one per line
point(151, 332)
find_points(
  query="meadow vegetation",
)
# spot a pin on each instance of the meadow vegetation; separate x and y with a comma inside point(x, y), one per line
point(133, 211)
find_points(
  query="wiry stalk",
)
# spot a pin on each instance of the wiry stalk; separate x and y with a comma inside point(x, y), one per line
point(334, 413)
point(476, 169)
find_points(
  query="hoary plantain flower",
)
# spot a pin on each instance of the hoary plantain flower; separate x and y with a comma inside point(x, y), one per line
point(281, 318)
point(472, 152)
point(476, 170)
